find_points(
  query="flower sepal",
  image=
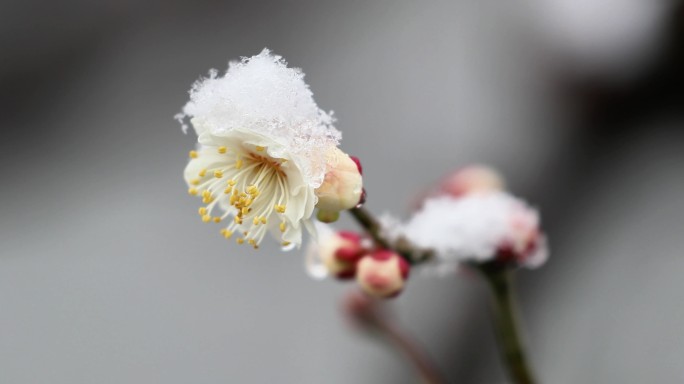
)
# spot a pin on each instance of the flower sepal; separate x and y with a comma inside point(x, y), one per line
point(327, 217)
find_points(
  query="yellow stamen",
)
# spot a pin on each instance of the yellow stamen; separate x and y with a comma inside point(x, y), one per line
point(285, 243)
point(193, 154)
point(252, 190)
point(222, 149)
point(202, 211)
point(202, 172)
point(263, 220)
point(280, 208)
point(260, 148)
point(227, 234)
point(218, 173)
point(195, 181)
point(282, 226)
point(206, 218)
point(232, 182)
point(217, 219)
point(240, 240)
point(192, 191)
point(244, 210)
point(238, 164)
point(255, 221)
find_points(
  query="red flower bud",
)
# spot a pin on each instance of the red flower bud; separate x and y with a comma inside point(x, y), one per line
point(382, 273)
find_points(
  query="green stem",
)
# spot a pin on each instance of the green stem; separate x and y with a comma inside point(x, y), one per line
point(507, 327)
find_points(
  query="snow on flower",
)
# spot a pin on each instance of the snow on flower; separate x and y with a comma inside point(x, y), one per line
point(477, 228)
point(264, 148)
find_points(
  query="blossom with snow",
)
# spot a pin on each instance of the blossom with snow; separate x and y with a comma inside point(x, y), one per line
point(478, 227)
point(264, 150)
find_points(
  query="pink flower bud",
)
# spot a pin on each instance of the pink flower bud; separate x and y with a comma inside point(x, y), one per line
point(382, 273)
point(335, 254)
point(471, 179)
point(343, 184)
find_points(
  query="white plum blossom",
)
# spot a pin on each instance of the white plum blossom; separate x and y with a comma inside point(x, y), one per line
point(476, 228)
point(264, 148)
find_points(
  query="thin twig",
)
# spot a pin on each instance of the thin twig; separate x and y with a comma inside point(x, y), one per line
point(369, 314)
point(410, 253)
point(370, 224)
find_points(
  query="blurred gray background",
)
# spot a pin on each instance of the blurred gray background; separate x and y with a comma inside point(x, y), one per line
point(108, 276)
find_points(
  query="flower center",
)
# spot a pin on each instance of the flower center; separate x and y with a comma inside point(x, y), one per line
point(251, 187)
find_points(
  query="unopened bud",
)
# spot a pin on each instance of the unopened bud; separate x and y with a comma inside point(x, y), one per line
point(382, 273)
point(335, 254)
point(471, 179)
point(343, 184)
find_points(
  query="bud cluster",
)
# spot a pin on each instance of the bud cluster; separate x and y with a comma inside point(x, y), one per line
point(348, 255)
